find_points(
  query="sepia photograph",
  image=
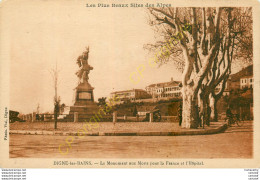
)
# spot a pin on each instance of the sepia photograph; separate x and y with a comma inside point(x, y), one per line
point(123, 84)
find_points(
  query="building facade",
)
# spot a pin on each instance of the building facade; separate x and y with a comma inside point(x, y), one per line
point(165, 90)
point(243, 78)
point(226, 91)
point(132, 95)
point(246, 82)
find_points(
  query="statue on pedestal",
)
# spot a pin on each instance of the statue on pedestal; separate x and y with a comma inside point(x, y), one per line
point(85, 68)
point(84, 91)
point(84, 106)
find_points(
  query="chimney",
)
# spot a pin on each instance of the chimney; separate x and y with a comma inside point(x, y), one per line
point(171, 79)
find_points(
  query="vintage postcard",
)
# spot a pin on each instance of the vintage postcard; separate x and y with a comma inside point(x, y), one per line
point(129, 84)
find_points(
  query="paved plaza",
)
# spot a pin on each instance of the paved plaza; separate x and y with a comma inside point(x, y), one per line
point(235, 142)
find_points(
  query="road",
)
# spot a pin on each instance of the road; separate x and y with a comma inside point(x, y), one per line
point(236, 142)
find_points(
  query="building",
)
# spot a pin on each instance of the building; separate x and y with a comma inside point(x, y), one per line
point(226, 91)
point(242, 79)
point(246, 81)
point(132, 95)
point(165, 90)
point(239, 80)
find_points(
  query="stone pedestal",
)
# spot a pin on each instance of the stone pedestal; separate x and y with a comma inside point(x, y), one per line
point(83, 94)
point(84, 107)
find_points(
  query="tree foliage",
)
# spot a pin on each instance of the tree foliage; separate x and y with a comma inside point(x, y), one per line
point(102, 101)
point(208, 41)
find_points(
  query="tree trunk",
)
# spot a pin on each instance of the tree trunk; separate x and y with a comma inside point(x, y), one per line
point(205, 110)
point(189, 108)
point(214, 110)
point(201, 111)
point(208, 114)
point(55, 121)
point(56, 111)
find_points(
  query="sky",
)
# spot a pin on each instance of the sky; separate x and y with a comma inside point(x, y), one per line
point(42, 33)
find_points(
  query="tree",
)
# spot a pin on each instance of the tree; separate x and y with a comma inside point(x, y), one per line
point(102, 101)
point(239, 45)
point(55, 73)
point(201, 41)
point(62, 108)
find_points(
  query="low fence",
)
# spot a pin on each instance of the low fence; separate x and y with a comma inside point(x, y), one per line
point(114, 118)
point(41, 117)
point(27, 117)
point(143, 118)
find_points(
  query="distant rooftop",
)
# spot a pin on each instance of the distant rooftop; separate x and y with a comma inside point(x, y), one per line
point(131, 90)
point(165, 84)
point(245, 72)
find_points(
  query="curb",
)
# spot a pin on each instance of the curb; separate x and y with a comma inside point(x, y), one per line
point(220, 129)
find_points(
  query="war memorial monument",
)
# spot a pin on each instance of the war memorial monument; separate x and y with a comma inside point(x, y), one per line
point(84, 106)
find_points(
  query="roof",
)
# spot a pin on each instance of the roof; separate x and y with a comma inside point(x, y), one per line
point(246, 77)
point(247, 71)
point(128, 91)
point(164, 84)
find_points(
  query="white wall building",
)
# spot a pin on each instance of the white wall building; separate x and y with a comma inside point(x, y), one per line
point(164, 90)
point(132, 94)
point(247, 81)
